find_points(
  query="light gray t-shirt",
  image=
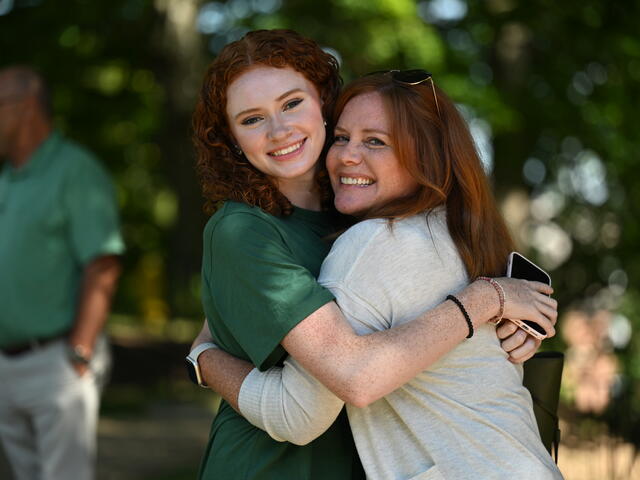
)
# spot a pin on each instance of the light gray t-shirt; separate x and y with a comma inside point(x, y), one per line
point(467, 416)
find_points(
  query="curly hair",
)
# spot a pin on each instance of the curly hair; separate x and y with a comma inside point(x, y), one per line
point(224, 172)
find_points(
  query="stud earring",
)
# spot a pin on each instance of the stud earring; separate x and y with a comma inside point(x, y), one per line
point(325, 123)
point(237, 149)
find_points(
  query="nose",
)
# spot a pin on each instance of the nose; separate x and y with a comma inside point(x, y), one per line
point(279, 129)
point(349, 154)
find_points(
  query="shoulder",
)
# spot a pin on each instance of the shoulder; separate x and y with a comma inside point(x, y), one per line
point(235, 219)
point(237, 229)
point(376, 245)
point(379, 234)
point(75, 155)
point(355, 249)
point(80, 166)
point(362, 235)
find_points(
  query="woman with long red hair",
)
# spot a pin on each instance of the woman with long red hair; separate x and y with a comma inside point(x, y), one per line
point(259, 130)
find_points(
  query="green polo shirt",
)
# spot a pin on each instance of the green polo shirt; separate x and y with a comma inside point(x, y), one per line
point(57, 213)
point(259, 281)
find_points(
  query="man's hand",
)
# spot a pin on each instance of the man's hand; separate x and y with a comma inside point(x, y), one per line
point(99, 282)
point(80, 368)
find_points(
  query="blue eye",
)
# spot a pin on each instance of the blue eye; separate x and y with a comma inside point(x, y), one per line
point(375, 142)
point(340, 139)
point(292, 104)
point(251, 120)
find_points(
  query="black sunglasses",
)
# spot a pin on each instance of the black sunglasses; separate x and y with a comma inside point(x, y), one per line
point(410, 77)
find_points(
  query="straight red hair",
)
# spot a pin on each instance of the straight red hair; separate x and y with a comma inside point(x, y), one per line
point(438, 151)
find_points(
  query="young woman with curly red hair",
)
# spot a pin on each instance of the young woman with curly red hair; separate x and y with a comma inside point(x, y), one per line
point(259, 133)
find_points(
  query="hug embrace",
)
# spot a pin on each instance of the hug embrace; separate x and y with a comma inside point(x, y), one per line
point(352, 259)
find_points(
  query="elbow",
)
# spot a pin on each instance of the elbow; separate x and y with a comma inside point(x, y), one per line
point(302, 440)
point(360, 399)
point(299, 436)
point(299, 441)
point(305, 426)
point(359, 391)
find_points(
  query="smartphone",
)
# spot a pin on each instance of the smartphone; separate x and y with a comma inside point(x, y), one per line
point(519, 266)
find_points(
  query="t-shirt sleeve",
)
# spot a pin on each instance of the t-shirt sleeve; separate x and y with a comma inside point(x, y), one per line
point(258, 287)
point(93, 222)
point(356, 271)
point(288, 403)
point(392, 275)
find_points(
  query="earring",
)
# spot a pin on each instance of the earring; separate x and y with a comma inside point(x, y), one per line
point(325, 123)
point(237, 149)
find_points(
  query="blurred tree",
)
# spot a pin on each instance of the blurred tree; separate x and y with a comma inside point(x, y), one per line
point(124, 76)
point(549, 88)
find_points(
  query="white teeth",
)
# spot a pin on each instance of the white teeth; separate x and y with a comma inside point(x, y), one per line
point(284, 151)
point(355, 181)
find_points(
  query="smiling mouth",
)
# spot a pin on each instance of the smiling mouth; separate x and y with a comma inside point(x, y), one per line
point(287, 150)
point(358, 181)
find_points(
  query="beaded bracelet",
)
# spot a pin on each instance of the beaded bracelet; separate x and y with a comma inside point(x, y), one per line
point(464, 312)
point(501, 297)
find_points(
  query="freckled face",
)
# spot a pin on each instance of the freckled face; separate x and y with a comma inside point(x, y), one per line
point(364, 170)
point(275, 115)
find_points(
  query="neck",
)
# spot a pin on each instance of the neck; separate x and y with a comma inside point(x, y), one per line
point(301, 193)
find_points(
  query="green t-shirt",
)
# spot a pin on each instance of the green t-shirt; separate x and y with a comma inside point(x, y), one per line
point(57, 212)
point(259, 281)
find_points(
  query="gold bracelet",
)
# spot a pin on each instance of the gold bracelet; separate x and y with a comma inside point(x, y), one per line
point(501, 297)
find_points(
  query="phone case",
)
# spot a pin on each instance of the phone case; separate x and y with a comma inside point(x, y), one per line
point(534, 273)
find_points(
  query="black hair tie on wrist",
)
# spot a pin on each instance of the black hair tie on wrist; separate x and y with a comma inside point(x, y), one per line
point(464, 312)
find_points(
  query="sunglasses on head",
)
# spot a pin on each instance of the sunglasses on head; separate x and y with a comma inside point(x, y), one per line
point(410, 77)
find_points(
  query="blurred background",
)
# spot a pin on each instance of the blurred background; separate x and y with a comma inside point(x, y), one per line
point(551, 92)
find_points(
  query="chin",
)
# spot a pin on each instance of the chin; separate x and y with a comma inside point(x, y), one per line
point(352, 210)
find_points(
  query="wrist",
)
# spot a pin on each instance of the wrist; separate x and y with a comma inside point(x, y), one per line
point(464, 312)
point(481, 301)
point(193, 367)
point(79, 354)
point(501, 298)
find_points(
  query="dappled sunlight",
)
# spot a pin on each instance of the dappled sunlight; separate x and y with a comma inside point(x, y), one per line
point(549, 90)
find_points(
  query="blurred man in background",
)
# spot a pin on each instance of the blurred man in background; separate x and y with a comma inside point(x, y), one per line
point(59, 248)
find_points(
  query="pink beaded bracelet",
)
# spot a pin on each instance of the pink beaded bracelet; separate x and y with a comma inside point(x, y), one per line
point(501, 297)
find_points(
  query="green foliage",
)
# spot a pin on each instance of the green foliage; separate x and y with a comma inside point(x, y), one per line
point(557, 83)
point(106, 65)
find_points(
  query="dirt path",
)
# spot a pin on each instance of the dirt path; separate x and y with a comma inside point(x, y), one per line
point(166, 443)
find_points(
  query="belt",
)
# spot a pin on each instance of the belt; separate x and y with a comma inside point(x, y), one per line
point(15, 350)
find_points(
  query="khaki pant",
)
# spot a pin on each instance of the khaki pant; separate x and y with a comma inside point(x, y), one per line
point(48, 414)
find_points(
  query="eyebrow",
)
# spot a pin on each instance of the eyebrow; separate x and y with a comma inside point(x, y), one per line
point(281, 97)
point(366, 130)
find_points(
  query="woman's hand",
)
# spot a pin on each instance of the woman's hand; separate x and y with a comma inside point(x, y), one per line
point(529, 300)
point(516, 342)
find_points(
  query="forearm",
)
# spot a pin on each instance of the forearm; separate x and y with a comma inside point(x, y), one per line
point(362, 369)
point(286, 402)
point(224, 374)
point(98, 286)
